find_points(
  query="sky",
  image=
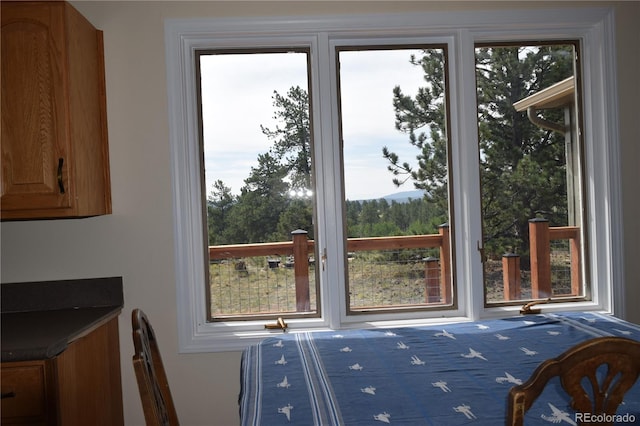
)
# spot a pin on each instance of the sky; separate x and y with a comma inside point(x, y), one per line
point(237, 92)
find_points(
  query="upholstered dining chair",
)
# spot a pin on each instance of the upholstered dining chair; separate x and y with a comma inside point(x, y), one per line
point(157, 402)
point(622, 359)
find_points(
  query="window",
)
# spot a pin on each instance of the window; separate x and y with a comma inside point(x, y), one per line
point(531, 171)
point(398, 246)
point(258, 161)
point(357, 266)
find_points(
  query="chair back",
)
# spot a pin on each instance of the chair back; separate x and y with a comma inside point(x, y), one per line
point(621, 357)
point(157, 402)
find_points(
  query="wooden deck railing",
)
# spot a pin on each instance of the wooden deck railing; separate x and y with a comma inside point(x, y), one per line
point(437, 270)
point(540, 237)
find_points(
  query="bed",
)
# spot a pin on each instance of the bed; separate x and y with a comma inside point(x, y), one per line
point(450, 374)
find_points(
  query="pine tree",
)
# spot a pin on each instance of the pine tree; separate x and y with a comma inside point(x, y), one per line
point(522, 167)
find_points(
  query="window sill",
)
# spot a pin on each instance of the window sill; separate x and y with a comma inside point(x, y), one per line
point(220, 337)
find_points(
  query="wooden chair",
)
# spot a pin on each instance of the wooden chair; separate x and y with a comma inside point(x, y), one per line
point(152, 381)
point(620, 355)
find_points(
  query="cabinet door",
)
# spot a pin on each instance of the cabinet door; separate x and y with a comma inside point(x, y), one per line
point(27, 396)
point(35, 140)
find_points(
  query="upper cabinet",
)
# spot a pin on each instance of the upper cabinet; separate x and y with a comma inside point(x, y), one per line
point(55, 157)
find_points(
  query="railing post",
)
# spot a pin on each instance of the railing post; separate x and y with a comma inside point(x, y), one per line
point(511, 276)
point(445, 264)
point(574, 248)
point(540, 249)
point(431, 283)
point(301, 269)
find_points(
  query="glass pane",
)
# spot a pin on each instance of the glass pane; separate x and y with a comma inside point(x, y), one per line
point(530, 171)
point(259, 183)
point(394, 143)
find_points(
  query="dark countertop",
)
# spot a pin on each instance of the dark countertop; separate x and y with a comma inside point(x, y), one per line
point(45, 334)
point(40, 319)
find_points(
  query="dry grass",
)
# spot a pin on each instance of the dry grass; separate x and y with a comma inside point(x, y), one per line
point(250, 286)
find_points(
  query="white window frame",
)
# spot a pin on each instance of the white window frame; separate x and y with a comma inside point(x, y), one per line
point(595, 29)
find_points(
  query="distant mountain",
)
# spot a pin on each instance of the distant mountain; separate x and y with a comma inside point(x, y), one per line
point(401, 197)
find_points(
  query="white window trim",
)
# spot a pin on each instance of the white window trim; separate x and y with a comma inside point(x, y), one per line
point(593, 26)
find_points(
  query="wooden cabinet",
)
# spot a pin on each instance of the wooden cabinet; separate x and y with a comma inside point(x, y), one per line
point(27, 394)
point(81, 386)
point(55, 160)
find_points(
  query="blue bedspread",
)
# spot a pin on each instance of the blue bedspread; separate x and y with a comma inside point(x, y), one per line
point(434, 375)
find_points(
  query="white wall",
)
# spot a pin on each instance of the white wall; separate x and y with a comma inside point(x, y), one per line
point(136, 241)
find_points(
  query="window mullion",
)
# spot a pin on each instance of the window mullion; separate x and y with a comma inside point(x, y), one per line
point(327, 151)
point(466, 176)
